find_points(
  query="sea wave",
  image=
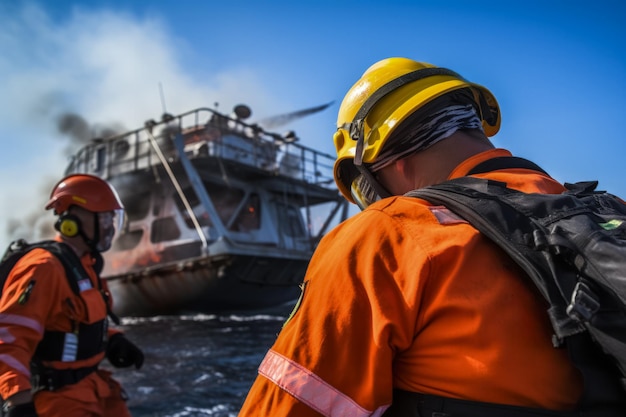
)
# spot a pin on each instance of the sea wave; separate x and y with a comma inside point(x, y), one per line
point(196, 364)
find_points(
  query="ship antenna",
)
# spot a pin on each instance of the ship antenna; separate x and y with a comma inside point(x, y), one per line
point(162, 97)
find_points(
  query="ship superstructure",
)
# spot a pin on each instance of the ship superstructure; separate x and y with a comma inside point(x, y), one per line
point(221, 214)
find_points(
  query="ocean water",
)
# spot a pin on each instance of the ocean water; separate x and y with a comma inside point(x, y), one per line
point(196, 365)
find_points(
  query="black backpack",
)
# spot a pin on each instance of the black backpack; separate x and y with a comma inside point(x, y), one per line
point(20, 247)
point(573, 247)
point(74, 270)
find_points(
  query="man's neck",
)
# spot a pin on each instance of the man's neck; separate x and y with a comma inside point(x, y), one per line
point(443, 157)
point(77, 244)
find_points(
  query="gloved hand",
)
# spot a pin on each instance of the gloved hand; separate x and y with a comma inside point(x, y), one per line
point(122, 353)
point(20, 410)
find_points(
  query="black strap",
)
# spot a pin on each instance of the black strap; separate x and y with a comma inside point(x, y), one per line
point(432, 405)
point(50, 379)
point(505, 162)
point(90, 342)
point(356, 130)
point(413, 404)
point(399, 82)
point(74, 270)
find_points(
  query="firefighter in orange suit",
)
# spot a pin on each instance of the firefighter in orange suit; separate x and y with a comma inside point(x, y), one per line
point(406, 309)
point(53, 338)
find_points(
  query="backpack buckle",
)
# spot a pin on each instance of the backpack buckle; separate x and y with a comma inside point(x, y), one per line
point(584, 303)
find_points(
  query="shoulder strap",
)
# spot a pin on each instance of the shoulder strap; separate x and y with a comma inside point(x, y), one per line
point(504, 162)
point(74, 269)
point(413, 404)
point(483, 203)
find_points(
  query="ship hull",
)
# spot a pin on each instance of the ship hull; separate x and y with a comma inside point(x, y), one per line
point(209, 285)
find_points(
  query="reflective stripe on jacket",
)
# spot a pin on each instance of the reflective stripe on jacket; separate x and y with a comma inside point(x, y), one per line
point(407, 295)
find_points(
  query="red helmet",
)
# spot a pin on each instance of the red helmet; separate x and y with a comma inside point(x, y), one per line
point(87, 191)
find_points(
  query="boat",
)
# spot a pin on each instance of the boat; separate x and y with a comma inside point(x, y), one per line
point(221, 214)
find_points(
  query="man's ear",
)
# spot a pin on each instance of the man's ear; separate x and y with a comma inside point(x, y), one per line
point(402, 168)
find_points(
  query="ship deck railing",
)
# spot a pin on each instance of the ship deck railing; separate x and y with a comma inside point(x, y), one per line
point(206, 134)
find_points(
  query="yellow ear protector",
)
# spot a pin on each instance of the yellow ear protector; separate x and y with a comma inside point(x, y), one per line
point(68, 225)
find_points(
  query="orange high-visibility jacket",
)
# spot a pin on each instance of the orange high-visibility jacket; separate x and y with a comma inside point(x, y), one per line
point(47, 304)
point(407, 295)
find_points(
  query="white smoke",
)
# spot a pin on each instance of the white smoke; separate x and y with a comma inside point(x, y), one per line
point(108, 68)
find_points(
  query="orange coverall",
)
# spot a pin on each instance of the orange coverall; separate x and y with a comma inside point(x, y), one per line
point(407, 295)
point(53, 306)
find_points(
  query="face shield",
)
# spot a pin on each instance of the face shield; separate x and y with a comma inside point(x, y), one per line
point(110, 224)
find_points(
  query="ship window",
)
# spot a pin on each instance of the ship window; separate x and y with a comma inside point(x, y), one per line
point(120, 148)
point(100, 158)
point(290, 221)
point(249, 216)
point(163, 230)
point(137, 205)
point(194, 202)
point(129, 240)
point(226, 200)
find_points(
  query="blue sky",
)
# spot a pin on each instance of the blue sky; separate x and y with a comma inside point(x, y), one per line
point(557, 68)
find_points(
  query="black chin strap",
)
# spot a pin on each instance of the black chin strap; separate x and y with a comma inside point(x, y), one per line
point(92, 243)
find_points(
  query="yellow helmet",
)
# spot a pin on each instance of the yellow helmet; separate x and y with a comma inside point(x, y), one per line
point(387, 93)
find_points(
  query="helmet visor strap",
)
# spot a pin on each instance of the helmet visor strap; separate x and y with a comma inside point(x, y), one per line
point(360, 197)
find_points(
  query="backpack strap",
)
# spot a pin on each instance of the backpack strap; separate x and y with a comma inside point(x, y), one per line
point(73, 266)
point(53, 379)
point(74, 270)
point(413, 404)
point(505, 162)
